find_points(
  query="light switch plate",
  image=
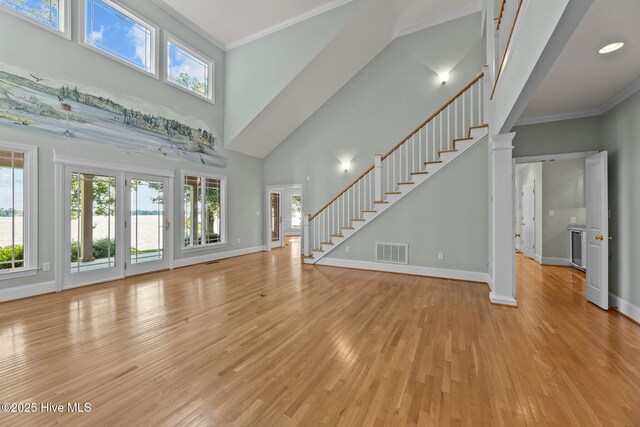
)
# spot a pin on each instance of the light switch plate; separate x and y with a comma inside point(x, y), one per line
point(573, 220)
point(552, 213)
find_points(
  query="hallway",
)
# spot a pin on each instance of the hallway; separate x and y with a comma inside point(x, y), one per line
point(263, 340)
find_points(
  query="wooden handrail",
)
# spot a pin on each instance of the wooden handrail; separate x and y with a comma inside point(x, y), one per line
point(440, 110)
point(506, 48)
point(504, 3)
point(342, 192)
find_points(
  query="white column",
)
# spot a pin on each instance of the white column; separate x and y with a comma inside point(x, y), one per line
point(305, 234)
point(377, 177)
point(503, 250)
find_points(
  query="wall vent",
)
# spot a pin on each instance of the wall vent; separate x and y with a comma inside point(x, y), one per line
point(392, 253)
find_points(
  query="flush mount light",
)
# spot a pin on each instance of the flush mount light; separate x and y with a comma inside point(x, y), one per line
point(611, 47)
point(346, 165)
point(443, 76)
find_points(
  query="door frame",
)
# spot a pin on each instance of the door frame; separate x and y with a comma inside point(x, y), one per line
point(271, 243)
point(533, 254)
point(62, 159)
point(167, 243)
point(267, 213)
point(537, 159)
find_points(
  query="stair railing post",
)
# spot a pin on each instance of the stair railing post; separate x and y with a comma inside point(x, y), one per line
point(305, 237)
point(486, 95)
point(377, 177)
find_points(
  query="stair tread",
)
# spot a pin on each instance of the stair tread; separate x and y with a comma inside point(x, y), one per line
point(406, 183)
point(381, 201)
point(369, 211)
point(433, 162)
point(347, 228)
point(447, 151)
point(326, 243)
point(462, 139)
point(317, 250)
point(337, 235)
point(357, 219)
point(419, 173)
point(393, 192)
point(307, 256)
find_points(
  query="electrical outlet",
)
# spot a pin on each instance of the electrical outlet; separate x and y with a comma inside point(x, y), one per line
point(552, 213)
point(46, 266)
point(440, 256)
point(346, 249)
point(573, 220)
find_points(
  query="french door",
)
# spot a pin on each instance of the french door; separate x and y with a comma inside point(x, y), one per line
point(275, 221)
point(115, 224)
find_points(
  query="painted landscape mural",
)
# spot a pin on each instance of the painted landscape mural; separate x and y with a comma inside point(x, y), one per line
point(29, 102)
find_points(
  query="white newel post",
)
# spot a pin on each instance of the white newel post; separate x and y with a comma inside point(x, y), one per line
point(305, 237)
point(377, 177)
point(486, 94)
point(503, 251)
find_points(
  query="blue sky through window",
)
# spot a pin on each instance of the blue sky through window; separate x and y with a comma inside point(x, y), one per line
point(117, 34)
point(187, 71)
point(43, 11)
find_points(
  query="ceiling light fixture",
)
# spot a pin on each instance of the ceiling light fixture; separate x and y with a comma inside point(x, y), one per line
point(443, 76)
point(611, 48)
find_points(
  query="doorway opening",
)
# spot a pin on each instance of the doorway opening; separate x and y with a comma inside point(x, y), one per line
point(284, 207)
point(560, 218)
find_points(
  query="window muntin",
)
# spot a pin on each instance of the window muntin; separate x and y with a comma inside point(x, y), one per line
point(118, 33)
point(188, 69)
point(12, 225)
point(47, 13)
point(203, 221)
point(296, 211)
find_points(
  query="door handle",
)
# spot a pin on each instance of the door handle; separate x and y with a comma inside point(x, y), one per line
point(517, 234)
point(599, 237)
point(167, 224)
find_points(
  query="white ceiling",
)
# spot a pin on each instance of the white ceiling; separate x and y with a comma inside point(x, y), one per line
point(230, 23)
point(583, 81)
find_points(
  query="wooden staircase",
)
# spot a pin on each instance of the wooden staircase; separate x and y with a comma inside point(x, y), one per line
point(453, 129)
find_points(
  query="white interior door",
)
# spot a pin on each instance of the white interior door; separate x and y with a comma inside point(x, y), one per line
point(597, 230)
point(275, 219)
point(528, 234)
point(147, 223)
point(93, 234)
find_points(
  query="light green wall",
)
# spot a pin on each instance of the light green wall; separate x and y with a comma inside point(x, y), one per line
point(531, 174)
point(448, 214)
point(384, 102)
point(53, 57)
point(566, 136)
point(256, 72)
point(621, 137)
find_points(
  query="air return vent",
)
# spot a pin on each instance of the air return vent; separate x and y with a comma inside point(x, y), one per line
point(393, 253)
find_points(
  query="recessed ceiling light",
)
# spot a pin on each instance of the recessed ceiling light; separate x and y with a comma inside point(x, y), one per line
point(611, 47)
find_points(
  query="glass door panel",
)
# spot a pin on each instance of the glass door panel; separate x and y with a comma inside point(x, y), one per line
point(147, 223)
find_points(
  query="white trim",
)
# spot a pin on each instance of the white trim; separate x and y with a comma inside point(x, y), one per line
point(73, 157)
point(119, 7)
point(416, 270)
point(565, 262)
point(267, 213)
point(625, 307)
point(211, 80)
point(30, 212)
point(223, 211)
point(433, 22)
point(490, 281)
point(502, 300)
point(515, 34)
point(190, 24)
point(65, 17)
point(288, 23)
point(183, 262)
point(25, 291)
point(618, 98)
point(554, 157)
point(537, 258)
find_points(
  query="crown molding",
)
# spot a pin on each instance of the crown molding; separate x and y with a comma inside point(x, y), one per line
point(186, 21)
point(433, 22)
point(618, 98)
point(288, 23)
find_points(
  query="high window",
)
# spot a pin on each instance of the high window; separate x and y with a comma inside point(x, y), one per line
point(48, 14)
point(203, 198)
point(188, 69)
point(113, 30)
point(18, 234)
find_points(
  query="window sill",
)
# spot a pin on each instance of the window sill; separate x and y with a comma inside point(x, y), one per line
point(204, 247)
point(18, 272)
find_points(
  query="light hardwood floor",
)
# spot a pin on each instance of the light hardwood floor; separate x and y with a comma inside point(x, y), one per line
point(262, 340)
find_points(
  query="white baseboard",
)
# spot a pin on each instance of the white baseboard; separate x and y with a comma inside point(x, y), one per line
point(417, 270)
point(26, 291)
point(625, 307)
point(537, 258)
point(183, 262)
point(556, 261)
point(502, 300)
point(490, 281)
